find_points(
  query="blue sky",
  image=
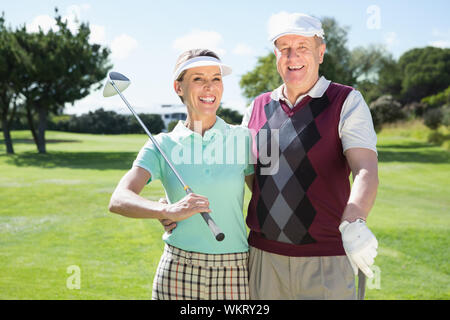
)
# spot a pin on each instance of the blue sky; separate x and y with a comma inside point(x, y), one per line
point(146, 37)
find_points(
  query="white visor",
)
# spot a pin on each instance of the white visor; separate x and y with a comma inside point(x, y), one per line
point(202, 61)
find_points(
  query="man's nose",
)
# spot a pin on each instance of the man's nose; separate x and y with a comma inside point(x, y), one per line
point(293, 53)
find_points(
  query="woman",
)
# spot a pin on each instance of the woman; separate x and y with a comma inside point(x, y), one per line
point(194, 265)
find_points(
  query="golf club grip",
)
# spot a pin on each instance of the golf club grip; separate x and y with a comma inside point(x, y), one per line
point(218, 234)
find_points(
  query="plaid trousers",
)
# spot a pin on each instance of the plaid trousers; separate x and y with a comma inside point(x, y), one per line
point(184, 275)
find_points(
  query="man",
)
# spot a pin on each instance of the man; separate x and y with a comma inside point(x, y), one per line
point(308, 234)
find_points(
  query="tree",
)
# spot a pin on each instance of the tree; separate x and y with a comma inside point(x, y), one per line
point(153, 122)
point(229, 116)
point(263, 78)
point(172, 124)
point(367, 62)
point(101, 121)
point(424, 71)
point(390, 79)
point(11, 55)
point(336, 64)
point(438, 100)
point(65, 67)
point(385, 110)
point(375, 71)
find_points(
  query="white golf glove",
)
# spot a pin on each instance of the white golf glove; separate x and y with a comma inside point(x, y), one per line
point(360, 245)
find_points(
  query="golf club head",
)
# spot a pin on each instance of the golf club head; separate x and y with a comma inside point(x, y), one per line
point(120, 81)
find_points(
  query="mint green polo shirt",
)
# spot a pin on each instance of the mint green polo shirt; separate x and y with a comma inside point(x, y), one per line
point(213, 166)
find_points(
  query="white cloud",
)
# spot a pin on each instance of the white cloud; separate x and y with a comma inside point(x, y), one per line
point(440, 43)
point(122, 46)
point(44, 21)
point(243, 49)
point(98, 34)
point(72, 16)
point(443, 36)
point(211, 40)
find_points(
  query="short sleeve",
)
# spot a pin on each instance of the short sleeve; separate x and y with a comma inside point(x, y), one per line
point(149, 159)
point(356, 127)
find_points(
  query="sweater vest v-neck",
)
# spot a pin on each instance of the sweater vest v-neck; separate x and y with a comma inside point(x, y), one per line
point(296, 208)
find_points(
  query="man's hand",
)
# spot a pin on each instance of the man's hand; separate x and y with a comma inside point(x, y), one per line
point(360, 245)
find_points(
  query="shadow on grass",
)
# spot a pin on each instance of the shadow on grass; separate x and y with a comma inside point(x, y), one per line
point(427, 153)
point(417, 152)
point(74, 160)
point(31, 141)
point(409, 145)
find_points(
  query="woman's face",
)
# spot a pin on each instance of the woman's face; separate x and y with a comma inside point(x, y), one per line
point(201, 90)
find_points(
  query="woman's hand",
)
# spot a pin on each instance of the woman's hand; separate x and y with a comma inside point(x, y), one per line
point(168, 224)
point(185, 208)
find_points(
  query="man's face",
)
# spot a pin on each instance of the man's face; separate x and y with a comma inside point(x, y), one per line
point(298, 61)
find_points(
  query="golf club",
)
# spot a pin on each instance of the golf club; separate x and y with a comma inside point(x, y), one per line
point(115, 84)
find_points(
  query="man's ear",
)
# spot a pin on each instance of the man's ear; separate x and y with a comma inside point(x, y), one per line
point(322, 49)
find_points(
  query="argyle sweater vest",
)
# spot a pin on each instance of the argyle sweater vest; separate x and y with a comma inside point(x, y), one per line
point(297, 207)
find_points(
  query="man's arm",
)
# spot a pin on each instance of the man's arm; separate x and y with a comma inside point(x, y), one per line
point(359, 242)
point(364, 165)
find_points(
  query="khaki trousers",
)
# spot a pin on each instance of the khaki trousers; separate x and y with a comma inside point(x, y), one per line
point(277, 277)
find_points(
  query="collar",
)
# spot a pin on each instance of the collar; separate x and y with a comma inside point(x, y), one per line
point(316, 91)
point(181, 132)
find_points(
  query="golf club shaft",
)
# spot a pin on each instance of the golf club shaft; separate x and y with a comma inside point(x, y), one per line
point(218, 234)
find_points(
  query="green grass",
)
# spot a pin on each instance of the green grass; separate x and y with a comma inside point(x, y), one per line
point(53, 214)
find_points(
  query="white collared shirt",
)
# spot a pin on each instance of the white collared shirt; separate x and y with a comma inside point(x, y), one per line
point(355, 126)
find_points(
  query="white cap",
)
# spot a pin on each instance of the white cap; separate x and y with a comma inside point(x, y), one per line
point(202, 61)
point(301, 24)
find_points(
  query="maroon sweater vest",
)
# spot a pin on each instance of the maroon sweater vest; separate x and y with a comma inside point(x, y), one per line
point(296, 211)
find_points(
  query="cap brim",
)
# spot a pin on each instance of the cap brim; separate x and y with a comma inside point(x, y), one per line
point(298, 33)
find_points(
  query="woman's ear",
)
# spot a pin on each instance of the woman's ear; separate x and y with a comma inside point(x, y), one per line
point(178, 88)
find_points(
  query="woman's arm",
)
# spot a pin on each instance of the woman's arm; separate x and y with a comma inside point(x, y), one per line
point(126, 200)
